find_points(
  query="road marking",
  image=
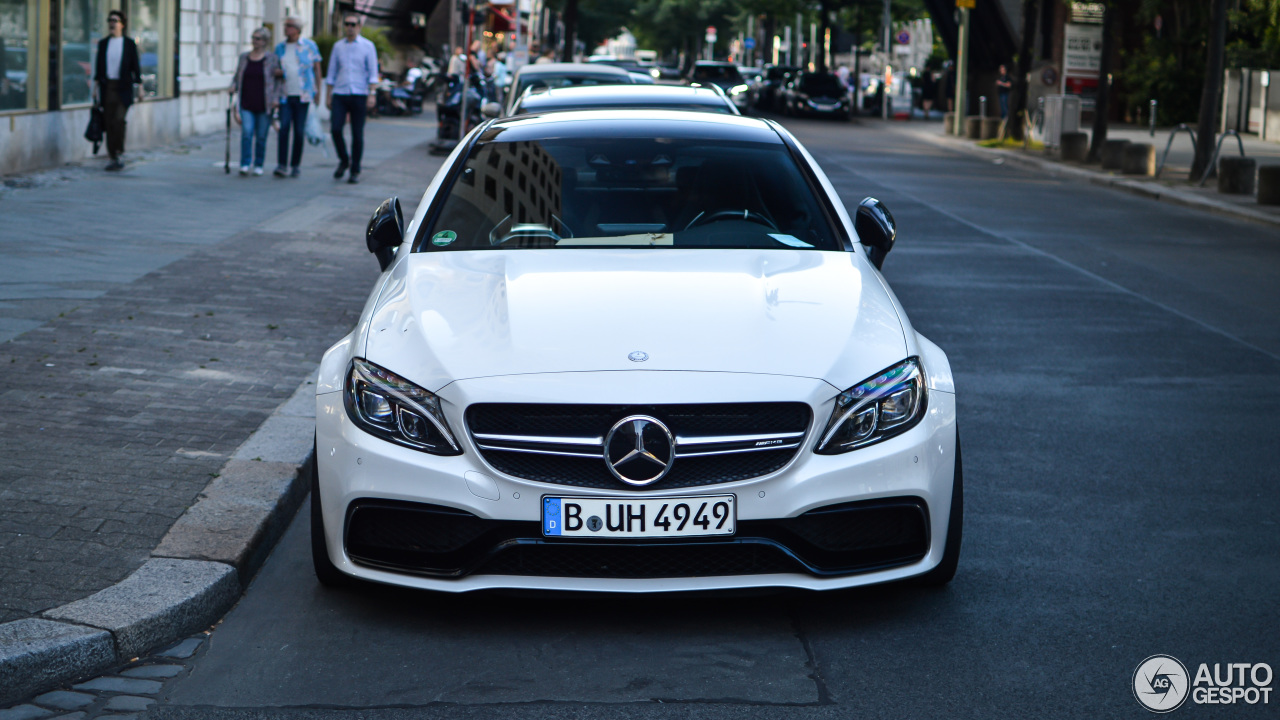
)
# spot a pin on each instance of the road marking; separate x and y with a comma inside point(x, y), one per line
point(1037, 251)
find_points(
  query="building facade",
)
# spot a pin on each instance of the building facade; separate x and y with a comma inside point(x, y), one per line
point(188, 50)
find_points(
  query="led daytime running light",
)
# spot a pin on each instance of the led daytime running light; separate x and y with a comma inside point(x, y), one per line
point(408, 396)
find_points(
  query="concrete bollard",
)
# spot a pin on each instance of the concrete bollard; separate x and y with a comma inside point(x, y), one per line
point(1235, 175)
point(990, 128)
point(949, 124)
point(973, 127)
point(1113, 154)
point(1269, 185)
point(1139, 159)
point(1074, 146)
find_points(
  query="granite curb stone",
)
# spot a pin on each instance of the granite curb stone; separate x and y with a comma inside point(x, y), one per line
point(163, 599)
point(1149, 189)
point(194, 576)
point(37, 654)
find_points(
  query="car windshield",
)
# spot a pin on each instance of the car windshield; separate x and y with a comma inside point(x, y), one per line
point(650, 192)
point(821, 85)
point(716, 73)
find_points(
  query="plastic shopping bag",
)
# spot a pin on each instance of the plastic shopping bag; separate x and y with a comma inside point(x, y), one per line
point(315, 135)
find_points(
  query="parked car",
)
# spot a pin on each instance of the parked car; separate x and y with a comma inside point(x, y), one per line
point(634, 351)
point(817, 94)
point(723, 75)
point(775, 76)
point(553, 75)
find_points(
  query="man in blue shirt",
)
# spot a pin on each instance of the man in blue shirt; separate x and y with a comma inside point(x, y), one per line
point(352, 81)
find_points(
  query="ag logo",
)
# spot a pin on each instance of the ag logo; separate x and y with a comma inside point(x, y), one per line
point(1160, 683)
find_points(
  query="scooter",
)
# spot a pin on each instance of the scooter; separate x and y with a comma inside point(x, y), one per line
point(448, 107)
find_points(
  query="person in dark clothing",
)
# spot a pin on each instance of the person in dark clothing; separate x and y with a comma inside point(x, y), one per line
point(117, 78)
point(1004, 85)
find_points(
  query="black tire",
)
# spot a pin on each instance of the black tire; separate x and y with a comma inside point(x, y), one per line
point(946, 570)
point(326, 572)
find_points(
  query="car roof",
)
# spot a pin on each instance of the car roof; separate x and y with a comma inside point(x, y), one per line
point(586, 69)
point(623, 96)
point(714, 63)
point(632, 123)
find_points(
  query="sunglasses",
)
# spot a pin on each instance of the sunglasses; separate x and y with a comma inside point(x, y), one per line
point(348, 23)
point(113, 19)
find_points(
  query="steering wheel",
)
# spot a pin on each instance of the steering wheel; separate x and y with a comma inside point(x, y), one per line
point(717, 216)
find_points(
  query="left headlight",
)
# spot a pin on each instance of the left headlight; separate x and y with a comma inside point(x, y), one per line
point(386, 405)
point(738, 89)
point(876, 409)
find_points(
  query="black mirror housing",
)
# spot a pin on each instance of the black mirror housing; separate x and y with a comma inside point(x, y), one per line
point(385, 231)
point(876, 229)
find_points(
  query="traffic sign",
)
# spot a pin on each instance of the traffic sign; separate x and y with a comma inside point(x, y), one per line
point(904, 37)
point(711, 33)
point(749, 43)
point(971, 4)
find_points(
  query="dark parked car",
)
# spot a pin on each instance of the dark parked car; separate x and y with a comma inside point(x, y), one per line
point(723, 75)
point(820, 94)
point(770, 85)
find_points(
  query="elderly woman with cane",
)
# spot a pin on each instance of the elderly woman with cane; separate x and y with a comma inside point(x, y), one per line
point(256, 93)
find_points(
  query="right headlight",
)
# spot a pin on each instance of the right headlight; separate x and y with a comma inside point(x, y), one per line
point(876, 409)
point(386, 405)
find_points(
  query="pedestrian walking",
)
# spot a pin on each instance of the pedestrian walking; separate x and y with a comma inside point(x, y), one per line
point(255, 93)
point(299, 69)
point(1004, 85)
point(117, 83)
point(353, 84)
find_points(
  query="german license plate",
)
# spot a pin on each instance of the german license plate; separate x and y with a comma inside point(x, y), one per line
point(580, 517)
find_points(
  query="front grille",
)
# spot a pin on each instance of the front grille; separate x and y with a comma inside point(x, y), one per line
point(444, 542)
point(585, 466)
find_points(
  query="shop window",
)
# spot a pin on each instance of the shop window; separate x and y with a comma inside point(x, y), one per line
point(19, 79)
point(151, 26)
point(84, 22)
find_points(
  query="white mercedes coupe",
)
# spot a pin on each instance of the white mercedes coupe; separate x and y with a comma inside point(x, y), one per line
point(634, 351)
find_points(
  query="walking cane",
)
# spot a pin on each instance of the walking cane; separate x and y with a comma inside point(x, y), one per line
point(226, 166)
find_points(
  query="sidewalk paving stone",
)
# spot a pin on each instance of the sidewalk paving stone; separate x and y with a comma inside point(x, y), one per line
point(65, 699)
point(121, 685)
point(176, 313)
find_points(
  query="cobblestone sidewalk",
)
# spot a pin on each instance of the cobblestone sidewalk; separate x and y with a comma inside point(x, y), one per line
point(165, 313)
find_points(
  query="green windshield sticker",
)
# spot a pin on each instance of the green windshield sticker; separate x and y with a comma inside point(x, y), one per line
point(444, 237)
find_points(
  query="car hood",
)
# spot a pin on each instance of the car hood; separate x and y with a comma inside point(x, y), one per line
point(446, 316)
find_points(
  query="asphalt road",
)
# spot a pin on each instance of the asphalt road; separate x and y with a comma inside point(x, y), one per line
point(1117, 363)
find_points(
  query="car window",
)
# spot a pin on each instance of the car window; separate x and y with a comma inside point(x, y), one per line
point(822, 85)
point(716, 73)
point(629, 192)
point(537, 104)
point(557, 81)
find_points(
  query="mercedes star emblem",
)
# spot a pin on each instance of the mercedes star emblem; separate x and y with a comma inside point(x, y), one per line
point(639, 450)
point(638, 356)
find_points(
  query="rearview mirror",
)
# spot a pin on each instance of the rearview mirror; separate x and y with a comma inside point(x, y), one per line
point(876, 229)
point(491, 109)
point(385, 231)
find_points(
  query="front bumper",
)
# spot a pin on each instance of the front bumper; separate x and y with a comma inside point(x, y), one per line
point(359, 474)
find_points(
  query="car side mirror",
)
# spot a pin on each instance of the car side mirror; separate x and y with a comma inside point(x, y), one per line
point(491, 109)
point(876, 229)
point(385, 231)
